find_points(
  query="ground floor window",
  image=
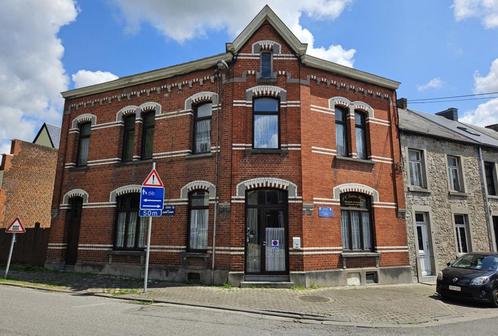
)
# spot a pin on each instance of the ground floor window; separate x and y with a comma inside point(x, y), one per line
point(198, 223)
point(130, 229)
point(356, 222)
point(461, 231)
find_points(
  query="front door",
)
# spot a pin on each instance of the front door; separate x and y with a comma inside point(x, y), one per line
point(423, 244)
point(73, 221)
point(266, 232)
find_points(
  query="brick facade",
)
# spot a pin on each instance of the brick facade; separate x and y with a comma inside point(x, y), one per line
point(305, 165)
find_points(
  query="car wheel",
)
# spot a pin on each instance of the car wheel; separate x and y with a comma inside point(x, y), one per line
point(494, 298)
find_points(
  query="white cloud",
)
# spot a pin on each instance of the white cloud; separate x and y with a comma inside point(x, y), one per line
point(486, 113)
point(486, 10)
point(183, 20)
point(435, 83)
point(31, 71)
point(87, 77)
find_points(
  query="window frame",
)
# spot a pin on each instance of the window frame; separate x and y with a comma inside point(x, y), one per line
point(466, 227)
point(145, 129)
point(81, 137)
point(128, 209)
point(489, 165)
point(128, 135)
point(363, 115)
point(421, 164)
point(344, 123)
point(261, 67)
point(277, 113)
point(189, 218)
point(196, 120)
point(459, 171)
point(367, 209)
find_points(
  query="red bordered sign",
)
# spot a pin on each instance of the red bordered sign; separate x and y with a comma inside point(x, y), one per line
point(16, 227)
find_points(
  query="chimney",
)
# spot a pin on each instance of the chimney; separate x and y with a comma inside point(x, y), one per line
point(494, 127)
point(450, 113)
point(402, 103)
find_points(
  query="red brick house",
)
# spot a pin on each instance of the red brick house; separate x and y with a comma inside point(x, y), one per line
point(281, 166)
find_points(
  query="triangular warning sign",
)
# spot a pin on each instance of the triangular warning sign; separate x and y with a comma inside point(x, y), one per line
point(153, 180)
point(16, 227)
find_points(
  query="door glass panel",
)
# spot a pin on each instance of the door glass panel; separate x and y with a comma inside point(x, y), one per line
point(420, 238)
point(275, 241)
point(253, 243)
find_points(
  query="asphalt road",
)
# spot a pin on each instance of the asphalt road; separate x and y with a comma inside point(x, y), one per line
point(33, 312)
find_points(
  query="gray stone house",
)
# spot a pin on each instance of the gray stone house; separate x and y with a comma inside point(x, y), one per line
point(451, 188)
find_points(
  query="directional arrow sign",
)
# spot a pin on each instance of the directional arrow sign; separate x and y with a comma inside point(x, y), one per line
point(152, 196)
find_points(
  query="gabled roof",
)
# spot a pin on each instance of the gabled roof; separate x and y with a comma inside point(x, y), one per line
point(267, 14)
point(48, 135)
point(437, 126)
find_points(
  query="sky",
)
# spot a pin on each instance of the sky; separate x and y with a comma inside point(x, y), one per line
point(434, 48)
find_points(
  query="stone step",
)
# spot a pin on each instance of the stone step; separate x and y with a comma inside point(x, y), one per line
point(266, 284)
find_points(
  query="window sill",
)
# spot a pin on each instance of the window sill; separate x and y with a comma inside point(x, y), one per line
point(359, 254)
point(493, 197)
point(128, 252)
point(78, 168)
point(350, 159)
point(458, 194)
point(199, 155)
point(268, 151)
point(134, 162)
point(418, 189)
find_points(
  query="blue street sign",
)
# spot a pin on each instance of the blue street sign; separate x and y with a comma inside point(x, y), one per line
point(151, 199)
point(325, 212)
point(169, 210)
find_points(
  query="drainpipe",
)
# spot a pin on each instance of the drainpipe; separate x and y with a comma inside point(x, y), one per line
point(485, 198)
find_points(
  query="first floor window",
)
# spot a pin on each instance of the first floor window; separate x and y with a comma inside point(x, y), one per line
point(341, 131)
point(128, 137)
point(198, 225)
point(83, 144)
point(361, 134)
point(202, 128)
point(455, 173)
point(357, 231)
point(148, 135)
point(416, 168)
point(490, 170)
point(461, 231)
point(266, 123)
point(130, 229)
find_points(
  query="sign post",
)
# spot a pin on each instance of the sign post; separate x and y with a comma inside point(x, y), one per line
point(151, 205)
point(15, 227)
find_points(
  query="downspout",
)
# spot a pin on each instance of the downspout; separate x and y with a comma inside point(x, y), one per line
point(485, 198)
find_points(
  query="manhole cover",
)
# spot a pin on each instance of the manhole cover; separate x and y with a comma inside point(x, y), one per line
point(313, 298)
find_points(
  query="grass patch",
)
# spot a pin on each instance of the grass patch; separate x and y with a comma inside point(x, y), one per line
point(122, 291)
point(227, 285)
point(30, 284)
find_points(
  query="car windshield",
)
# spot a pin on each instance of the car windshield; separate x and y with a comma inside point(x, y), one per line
point(477, 262)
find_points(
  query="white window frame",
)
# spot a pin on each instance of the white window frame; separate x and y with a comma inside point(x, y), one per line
point(421, 164)
point(495, 177)
point(459, 170)
point(458, 237)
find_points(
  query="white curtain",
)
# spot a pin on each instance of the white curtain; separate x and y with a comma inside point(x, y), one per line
point(345, 229)
point(203, 136)
point(120, 229)
point(141, 231)
point(355, 230)
point(360, 143)
point(367, 231)
point(198, 229)
point(340, 140)
point(132, 228)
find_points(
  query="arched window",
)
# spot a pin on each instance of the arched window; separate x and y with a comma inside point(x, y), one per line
point(198, 220)
point(130, 229)
point(356, 221)
point(83, 143)
point(361, 134)
point(202, 128)
point(266, 134)
point(128, 137)
point(341, 131)
point(148, 134)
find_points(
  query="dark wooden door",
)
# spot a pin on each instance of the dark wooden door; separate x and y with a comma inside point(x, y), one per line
point(73, 222)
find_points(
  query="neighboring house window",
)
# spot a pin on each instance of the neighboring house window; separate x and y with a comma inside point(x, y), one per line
point(489, 168)
point(461, 228)
point(265, 65)
point(198, 222)
point(361, 135)
point(357, 232)
point(128, 137)
point(455, 173)
point(266, 123)
point(416, 166)
point(83, 143)
point(130, 229)
point(341, 132)
point(147, 135)
point(202, 128)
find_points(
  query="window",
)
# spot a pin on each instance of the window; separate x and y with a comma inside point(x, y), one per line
point(83, 144)
point(461, 227)
point(130, 229)
point(198, 223)
point(357, 233)
point(266, 65)
point(266, 123)
point(416, 168)
point(147, 135)
point(341, 131)
point(490, 171)
point(202, 128)
point(361, 135)
point(455, 173)
point(128, 137)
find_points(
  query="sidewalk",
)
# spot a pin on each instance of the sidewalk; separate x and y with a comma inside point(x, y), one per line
point(400, 305)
